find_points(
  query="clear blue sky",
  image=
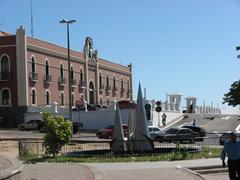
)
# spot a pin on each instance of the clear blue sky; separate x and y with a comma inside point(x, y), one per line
point(185, 46)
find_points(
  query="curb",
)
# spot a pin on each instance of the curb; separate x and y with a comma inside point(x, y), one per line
point(193, 172)
point(13, 169)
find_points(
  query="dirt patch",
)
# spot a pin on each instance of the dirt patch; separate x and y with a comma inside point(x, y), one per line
point(9, 148)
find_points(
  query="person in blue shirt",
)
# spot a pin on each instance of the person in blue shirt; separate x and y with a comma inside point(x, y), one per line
point(194, 122)
point(232, 150)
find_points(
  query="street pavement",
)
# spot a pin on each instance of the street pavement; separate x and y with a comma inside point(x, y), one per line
point(165, 170)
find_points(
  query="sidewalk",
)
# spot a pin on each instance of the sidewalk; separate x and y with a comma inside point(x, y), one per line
point(165, 170)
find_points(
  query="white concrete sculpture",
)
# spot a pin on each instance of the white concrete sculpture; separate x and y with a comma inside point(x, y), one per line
point(141, 138)
point(118, 144)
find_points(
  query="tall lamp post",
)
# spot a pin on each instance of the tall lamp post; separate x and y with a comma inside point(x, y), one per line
point(64, 21)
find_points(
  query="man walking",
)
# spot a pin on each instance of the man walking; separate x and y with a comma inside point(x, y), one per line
point(232, 149)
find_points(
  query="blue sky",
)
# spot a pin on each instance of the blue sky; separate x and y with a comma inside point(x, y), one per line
point(185, 46)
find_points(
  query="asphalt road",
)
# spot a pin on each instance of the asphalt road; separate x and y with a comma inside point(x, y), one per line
point(213, 124)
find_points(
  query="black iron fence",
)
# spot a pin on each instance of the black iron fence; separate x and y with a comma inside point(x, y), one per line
point(208, 147)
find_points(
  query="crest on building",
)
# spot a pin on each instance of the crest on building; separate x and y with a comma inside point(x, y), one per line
point(89, 50)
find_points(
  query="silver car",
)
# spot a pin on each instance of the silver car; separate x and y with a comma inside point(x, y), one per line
point(154, 131)
point(34, 124)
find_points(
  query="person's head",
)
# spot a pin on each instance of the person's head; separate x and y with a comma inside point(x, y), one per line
point(233, 136)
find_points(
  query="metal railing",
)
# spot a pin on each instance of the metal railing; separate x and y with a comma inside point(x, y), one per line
point(209, 147)
point(62, 81)
point(48, 78)
point(33, 76)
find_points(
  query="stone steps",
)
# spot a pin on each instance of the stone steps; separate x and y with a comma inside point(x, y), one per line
point(209, 169)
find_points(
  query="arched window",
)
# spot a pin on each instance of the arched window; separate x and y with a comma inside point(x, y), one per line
point(72, 72)
point(61, 71)
point(34, 97)
point(107, 82)
point(33, 74)
point(100, 80)
point(91, 93)
point(62, 99)
point(5, 68)
point(81, 75)
point(73, 100)
point(122, 85)
point(33, 65)
point(47, 68)
point(47, 98)
point(114, 83)
point(6, 97)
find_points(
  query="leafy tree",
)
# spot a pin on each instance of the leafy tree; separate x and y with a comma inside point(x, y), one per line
point(233, 96)
point(58, 132)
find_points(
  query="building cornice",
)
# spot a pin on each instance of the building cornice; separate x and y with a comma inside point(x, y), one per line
point(54, 53)
point(75, 58)
point(6, 46)
point(110, 68)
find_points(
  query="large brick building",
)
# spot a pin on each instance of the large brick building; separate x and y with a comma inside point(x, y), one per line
point(34, 74)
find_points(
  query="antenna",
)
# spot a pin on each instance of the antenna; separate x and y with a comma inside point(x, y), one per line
point(31, 19)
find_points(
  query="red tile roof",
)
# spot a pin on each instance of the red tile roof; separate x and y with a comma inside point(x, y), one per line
point(2, 33)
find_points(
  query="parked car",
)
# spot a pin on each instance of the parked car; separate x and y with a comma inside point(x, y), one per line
point(82, 108)
point(34, 124)
point(198, 129)
point(76, 125)
point(154, 131)
point(126, 104)
point(107, 132)
point(97, 106)
point(178, 134)
point(226, 136)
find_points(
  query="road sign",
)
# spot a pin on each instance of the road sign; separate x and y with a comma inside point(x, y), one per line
point(158, 103)
point(147, 107)
point(158, 109)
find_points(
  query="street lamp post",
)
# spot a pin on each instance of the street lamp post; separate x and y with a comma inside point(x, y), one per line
point(64, 21)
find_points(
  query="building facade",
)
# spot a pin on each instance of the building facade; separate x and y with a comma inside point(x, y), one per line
point(34, 74)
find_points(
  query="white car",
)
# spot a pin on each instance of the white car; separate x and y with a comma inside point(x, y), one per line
point(154, 131)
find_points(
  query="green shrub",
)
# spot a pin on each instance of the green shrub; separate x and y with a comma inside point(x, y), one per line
point(58, 132)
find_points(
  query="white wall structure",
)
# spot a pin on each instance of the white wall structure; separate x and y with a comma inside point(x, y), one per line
point(191, 104)
point(93, 120)
point(172, 103)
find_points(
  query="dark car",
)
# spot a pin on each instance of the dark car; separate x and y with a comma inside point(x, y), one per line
point(34, 124)
point(82, 108)
point(126, 104)
point(76, 125)
point(198, 129)
point(107, 132)
point(178, 134)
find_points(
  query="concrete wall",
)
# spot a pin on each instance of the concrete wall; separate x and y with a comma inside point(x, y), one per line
point(94, 120)
point(156, 117)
